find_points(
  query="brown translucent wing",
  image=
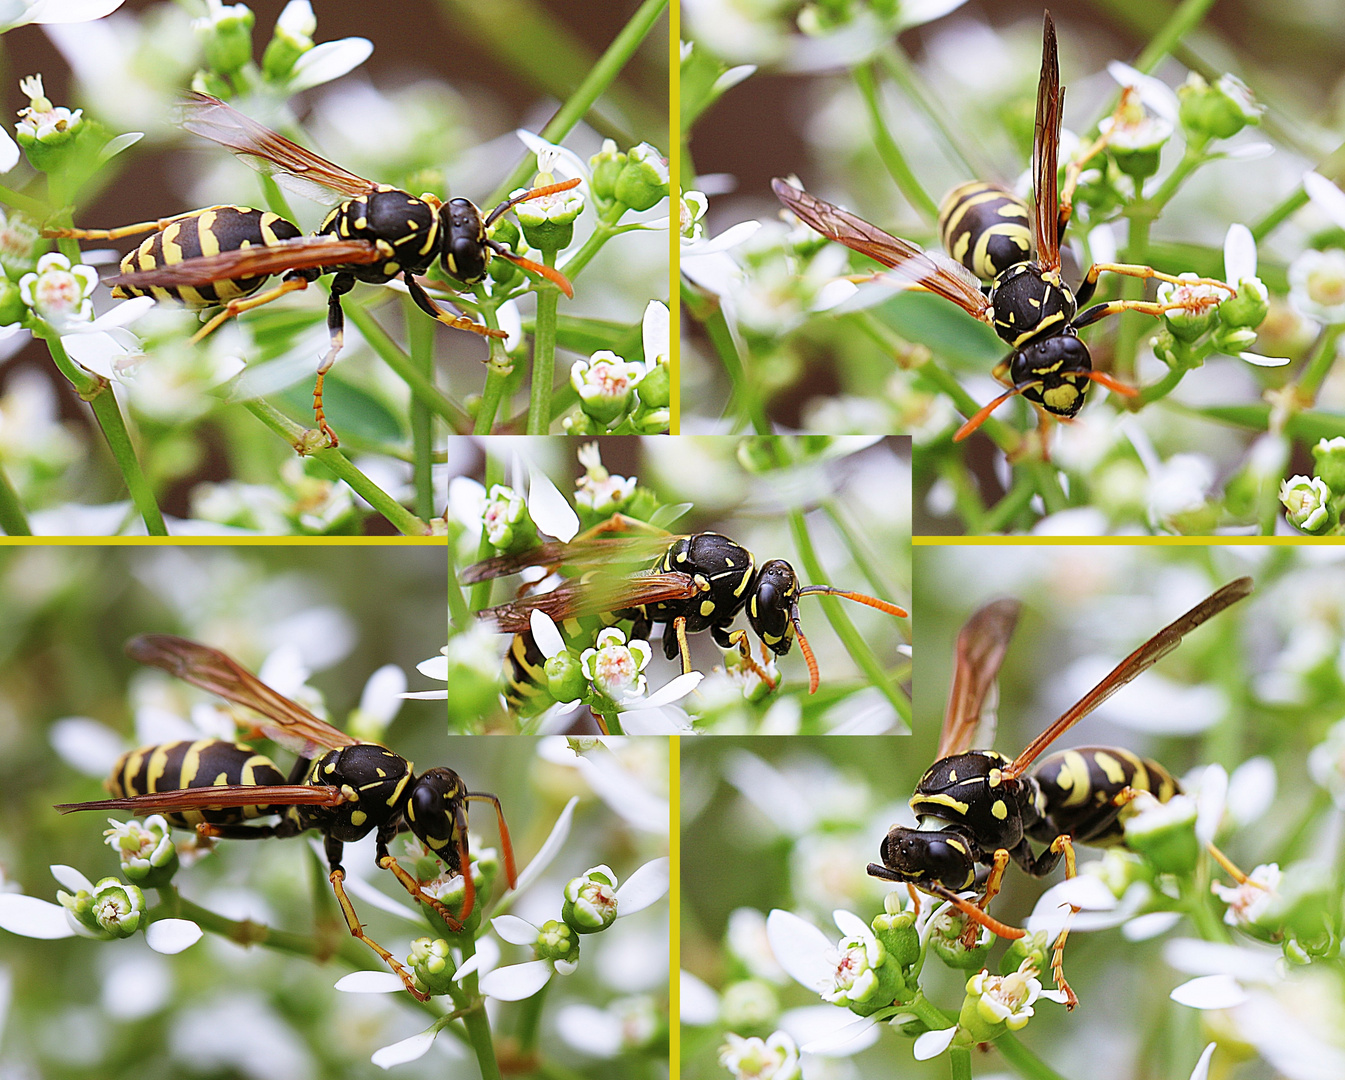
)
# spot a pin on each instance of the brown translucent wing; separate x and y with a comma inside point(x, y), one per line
point(1046, 152)
point(211, 119)
point(284, 721)
point(932, 271)
point(595, 551)
point(301, 253)
point(1138, 662)
point(222, 797)
point(591, 595)
point(981, 645)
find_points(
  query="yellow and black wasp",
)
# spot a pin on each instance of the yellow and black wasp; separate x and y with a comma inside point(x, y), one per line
point(689, 583)
point(221, 256)
point(978, 808)
point(339, 785)
point(984, 227)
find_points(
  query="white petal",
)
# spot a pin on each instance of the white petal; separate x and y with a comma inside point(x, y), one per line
point(664, 720)
point(671, 691)
point(1251, 790)
point(117, 145)
point(850, 924)
point(594, 1031)
point(1326, 196)
point(1264, 361)
point(699, 1004)
point(847, 1034)
point(1155, 93)
point(514, 930)
point(801, 949)
point(729, 238)
point(1210, 992)
point(71, 878)
point(9, 152)
point(918, 12)
point(1192, 956)
point(328, 61)
point(467, 500)
point(645, 886)
point(833, 294)
point(572, 164)
point(1239, 254)
point(566, 967)
point(511, 322)
point(1144, 927)
point(436, 667)
point(487, 953)
point(933, 1043)
point(370, 982)
point(85, 744)
point(546, 635)
point(467, 967)
point(172, 936)
point(1211, 798)
point(548, 507)
point(28, 916)
point(370, 894)
point(733, 77)
point(70, 11)
point(1202, 1069)
point(1248, 151)
point(560, 831)
point(516, 982)
point(382, 694)
point(412, 1049)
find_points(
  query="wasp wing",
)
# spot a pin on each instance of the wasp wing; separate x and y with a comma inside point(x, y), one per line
point(1138, 662)
point(591, 594)
point(222, 797)
point(912, 264)
point(266, 150)
point(1046, 152)
point(283, 721)
point(594, 551)
point(300, 253)
point(981, 645)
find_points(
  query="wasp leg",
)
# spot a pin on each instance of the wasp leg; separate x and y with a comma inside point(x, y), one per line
point(1085, 291)
point(385, 861)
point(336, 331)
point(208, 830)
point(620, 523)
point(739, 639)
point(434, 311)
point(336, 877)
point(1115, 307)
point(1063, 844)
point(123, 230)
point(993, 884)
point(971, 911)
point(680, 630)
point(237, 307)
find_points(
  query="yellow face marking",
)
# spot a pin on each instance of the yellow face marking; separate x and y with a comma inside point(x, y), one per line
point(993, 778)
point(957, 845)
point(1061, 399)
point(681, 556)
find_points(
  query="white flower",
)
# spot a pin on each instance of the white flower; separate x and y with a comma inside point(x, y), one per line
point(58, 292)
point(655, 334)
point(55, 11)
point(1317, 285)
point(614, 667)
point(1249, 900)
point(41, 120)
point(605, 383)
point(773, 1058)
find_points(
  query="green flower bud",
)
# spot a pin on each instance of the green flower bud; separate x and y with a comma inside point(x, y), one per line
point(749, 1004)
point(655, 387)
point(692, 206)
point(112, 910)
point(897, 934)
point(507, 233)
point(1250, 307)
point(606, 384)
point(292, 38)
point(606, 165)
point(19, 241)
point(508, 525)
point(651, 421)
point(43, 129)
point(1164, 834)
point(556, 941)
point(946, 942)
point(1166, 348)
point(12, 307)
point(1219, 111)
point(1034, 949)
point(1190, 323)
point(431, 964)
point(1233, 339)
point(866, 978)
point(581, 423)
point(997, 1003)
point(548, 222)
point(1307, 504)
point(643, 180)
point(1329, 455)
point(148, 855)
point(565, 679)
point(1135, 138)
point(590, 901)
point(226, 37)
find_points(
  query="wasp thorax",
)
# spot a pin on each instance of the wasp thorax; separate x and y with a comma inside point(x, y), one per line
point(465, 253)
point(1028, 302)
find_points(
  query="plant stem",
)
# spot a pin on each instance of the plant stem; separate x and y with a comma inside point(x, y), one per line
point(711, 316)
point(1024, 1060)
point(420, 382)
point(13, 519)
point(543, 356)
point(246, 932)
point(341, 467)
point(420, 339)
point(476, 1020)
point(1319, 365)
point(498, 368)
point(888, 150)
point(1184, 18)
point(26, 203)
point(530, 1020)
point(1047, 482)
point(611, 721)
point(1003, 514)
point(959, 1063)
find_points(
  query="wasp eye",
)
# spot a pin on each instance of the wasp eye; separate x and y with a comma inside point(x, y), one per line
point(426, 802)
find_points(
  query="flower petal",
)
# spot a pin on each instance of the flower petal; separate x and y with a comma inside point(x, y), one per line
point(1211, 798)
point(1264, 361)
point(1210, 992)
point(850, 924)
point(518, 981)
point(412, 1049)
point(671, 691)
point(70, 11)
point(1144, 927)
point(28, 916)
point(328, 61)
point(1202, 1069)
point(9, 152)
point(71, 878)
point(1326, 196)
point(549, 508)
point(801, 949)
point(593, 1031)
point(933, 1043)
point(560, 832)
point(1239, 254)
point(645, 886)
point(85, 744)
point(699, 1003)
point(545, 634)
point(172, 936)
point(370, 982)
point(467, 967)
point(514, 930)
point(827, 1031)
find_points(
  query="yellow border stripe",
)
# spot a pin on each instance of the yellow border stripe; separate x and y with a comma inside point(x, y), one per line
point(225, 541)
point(675, 907)
point(674, 220)
point(1125, 541)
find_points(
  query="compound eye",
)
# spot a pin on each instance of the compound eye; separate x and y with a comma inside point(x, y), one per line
point(426, 803)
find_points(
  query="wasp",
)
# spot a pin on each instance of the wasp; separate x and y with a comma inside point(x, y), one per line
point(978, 808)
point(1027, 302)
point(689, 584)
point(339, 785)
point(221, 256)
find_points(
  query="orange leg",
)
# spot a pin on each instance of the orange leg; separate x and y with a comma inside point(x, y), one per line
point(237, 307)
point(411, 885)
point(1063, 843)
point(353, 922)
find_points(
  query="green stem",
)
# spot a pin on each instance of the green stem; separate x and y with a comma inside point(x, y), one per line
point(851, 638)
point(478, 1024)
point(1161, 388)
point(1184, 18)
point(420, 339)
point(13, 518)
point(530, 1020)
point(1024, 1060)
point(711, 316)
point(959, 1063)
point(600, 77)
point(1047, 482)
point(418, 380)
point(245, 932)
point(543, 356)
point(933, 1017)
point(1319, 365)
point(893, 159)
point(498, 369)
point(340, 466)
point(1003, 514)
point(459, 613)
point(26, 203)
point(1294, 201)
point(612, 722)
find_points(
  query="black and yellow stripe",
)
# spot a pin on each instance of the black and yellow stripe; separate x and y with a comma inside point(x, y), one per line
point(1078, 787)
point(986, 228)
point(176, 766)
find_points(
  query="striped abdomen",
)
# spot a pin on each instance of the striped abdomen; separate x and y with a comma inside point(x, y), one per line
point(206, 232)
point(986, 228)
point(203, 763)
point(1078, 786)
point(524, 677)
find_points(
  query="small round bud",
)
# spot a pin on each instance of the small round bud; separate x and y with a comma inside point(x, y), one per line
point(1307, 504)
point(590, 901)
point(148, 855)
point(643, 180)
point(508, 526)
point(557, 941)
point(606, 165)
point(946, 942)
point(548, 222)
point(565, 680)
point(1249, 308)
point(226, 37)
point(431, 964)
point(1164, 834)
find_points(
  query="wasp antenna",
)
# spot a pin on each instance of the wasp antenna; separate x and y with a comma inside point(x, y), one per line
point(464, 864)
point(984, 413)
point(506, 844)
point(977, 915)
point(549, 272)
point(532, 193)
point(1114, 385)
point(858, 598)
